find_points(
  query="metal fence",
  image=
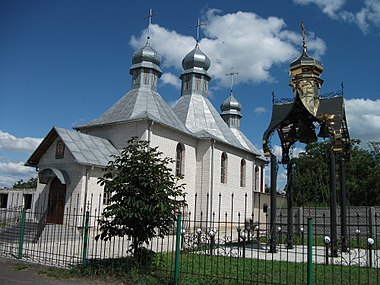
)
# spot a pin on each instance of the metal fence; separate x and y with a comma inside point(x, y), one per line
point(221, 248)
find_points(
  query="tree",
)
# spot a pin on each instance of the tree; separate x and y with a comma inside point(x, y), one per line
point(145, 195)
point(31, 183)
point(311, 175)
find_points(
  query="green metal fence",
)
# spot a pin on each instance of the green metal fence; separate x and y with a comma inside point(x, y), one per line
point(221, 248)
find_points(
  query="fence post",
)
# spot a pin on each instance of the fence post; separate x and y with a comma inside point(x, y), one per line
point(177, 250)
point(22, 227)
point(85, 238)
point(309, 251)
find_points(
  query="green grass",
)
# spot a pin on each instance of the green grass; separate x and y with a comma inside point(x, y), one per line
point(199, 269)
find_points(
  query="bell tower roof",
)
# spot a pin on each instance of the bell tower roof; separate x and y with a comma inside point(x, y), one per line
point(305, 66)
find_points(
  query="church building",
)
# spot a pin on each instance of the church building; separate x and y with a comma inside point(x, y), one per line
point(216, 160)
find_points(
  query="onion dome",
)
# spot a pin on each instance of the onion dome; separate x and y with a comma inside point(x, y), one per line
point(146, 53)
point(196, 59)
point(231, 106)
point(146, 57)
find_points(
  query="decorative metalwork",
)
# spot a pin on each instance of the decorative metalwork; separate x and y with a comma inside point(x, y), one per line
point(333, 94)
point(210, 243)
point(283, 100)
point(360, 257)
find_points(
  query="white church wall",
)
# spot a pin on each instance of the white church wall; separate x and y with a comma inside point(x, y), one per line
point(232, 192)
point(167, 139)
point(74, 171)
point(119, 134)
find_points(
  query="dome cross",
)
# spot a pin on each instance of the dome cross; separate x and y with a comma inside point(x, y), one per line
point(232, 74)
point(149, 17)
point(197, 27)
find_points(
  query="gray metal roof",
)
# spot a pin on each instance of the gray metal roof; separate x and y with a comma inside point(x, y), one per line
point(139, 104)
point(246, 142)
point(201, 118)
point(85, 149)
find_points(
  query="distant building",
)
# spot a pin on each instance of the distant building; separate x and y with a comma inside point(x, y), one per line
point(210, 151)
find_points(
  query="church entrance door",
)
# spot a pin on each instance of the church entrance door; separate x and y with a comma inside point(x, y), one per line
point(56, 204)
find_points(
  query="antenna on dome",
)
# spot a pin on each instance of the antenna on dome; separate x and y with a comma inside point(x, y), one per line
point(149, 17)
point(303, 37)
point(197, 26)
point(232, 74)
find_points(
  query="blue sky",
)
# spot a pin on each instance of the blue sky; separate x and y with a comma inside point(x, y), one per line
point(63, 63)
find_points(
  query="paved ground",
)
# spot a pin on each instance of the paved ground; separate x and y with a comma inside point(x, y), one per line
point(14, 272)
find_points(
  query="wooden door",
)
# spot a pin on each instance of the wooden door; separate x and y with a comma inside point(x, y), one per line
point(56, 204)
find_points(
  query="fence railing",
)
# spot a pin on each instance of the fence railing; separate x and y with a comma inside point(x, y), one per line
point(221, 248)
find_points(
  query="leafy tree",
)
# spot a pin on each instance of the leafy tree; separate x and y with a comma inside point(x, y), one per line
point(145, 195)
point(311, 175)
point(31, 183)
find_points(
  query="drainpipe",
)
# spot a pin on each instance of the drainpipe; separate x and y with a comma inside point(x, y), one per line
point(150, 132)
point(86, 193)
point(212, 179)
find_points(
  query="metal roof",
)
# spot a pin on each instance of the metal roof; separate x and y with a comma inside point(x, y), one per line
point(86, 149)
point(201, 117)
point(139, 104)
point(246, 142)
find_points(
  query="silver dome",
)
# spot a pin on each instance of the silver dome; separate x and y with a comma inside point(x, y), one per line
point(196, 59)
point(147, 54)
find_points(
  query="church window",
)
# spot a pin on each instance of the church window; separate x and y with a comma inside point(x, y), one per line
point(107, 198)
point(146, 76)
point(265, 208)
point(223, 168)
point(28, 201)
point(205, 86)
point(154, 80)
point(187, 82)
point(179, 163)
point(197, 82)
point(3, 200)
point(242, 173)
point(257, 180)
point(136, 78)
point(60, 150)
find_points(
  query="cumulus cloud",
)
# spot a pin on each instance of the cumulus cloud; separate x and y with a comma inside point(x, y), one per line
point(329, 7)
point(363, 119)
point(367, 15)
point(11, 172)
point(11, 143)
point(250, 44)
point(171, 79)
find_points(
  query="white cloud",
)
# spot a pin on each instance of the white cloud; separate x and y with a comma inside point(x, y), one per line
point(11, 172)
point(260, 110)
point(171, 79)
point(367, 15)
point(363, 119)
point(11, 143)
point(329, 7)
point(250, 44)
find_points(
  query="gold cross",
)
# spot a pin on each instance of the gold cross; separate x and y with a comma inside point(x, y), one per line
point(303, 36)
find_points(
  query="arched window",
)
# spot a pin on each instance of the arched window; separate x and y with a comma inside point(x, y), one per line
point(223, 168)
point(257, 178)
point(179, 162)
point(242, 173)
point(146, 76)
